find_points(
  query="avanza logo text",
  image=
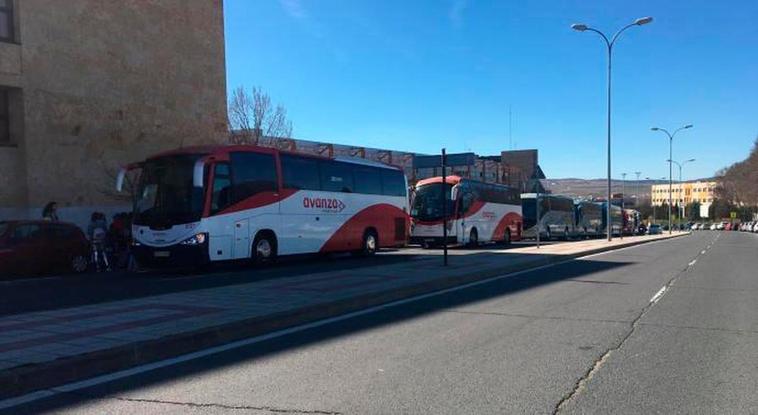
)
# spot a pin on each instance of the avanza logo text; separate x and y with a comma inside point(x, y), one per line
point(323, 203)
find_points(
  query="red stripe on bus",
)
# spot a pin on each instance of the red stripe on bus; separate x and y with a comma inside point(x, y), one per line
point(473, 210)
point(509, 221)
point(381, 217)
point(259, 200)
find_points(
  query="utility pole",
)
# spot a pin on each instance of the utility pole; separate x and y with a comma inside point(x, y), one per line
point(444, 206)
point(623, 194)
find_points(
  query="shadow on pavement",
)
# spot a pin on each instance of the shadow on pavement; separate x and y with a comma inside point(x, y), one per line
point(53, 292)
point(501, 287)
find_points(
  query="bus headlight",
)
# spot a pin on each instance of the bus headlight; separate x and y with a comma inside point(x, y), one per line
point(196, 239)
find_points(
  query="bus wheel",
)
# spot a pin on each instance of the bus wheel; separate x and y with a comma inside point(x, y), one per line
point(473, 239)
point(264, 248)
point(370, 243)
point(507, 237)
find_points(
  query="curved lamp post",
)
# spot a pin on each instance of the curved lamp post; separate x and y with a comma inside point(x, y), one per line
point(682, 205)
point(579, 27)
point(671, 146)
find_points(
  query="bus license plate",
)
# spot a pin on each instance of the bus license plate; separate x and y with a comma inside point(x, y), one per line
point(161, 254)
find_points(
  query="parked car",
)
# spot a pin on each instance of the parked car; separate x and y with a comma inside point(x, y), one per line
point(654, 229)
point(728, 226)
point(37, 247)
point(641, 230)
point(713, 226)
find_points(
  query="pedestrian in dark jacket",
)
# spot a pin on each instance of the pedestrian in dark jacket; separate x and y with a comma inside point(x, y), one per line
point(50, 212)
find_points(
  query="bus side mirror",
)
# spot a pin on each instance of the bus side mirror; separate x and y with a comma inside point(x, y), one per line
point(120, 179)
point(197, 173)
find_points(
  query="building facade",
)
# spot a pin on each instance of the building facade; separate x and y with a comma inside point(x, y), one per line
point(685, 193)
point(89, 85)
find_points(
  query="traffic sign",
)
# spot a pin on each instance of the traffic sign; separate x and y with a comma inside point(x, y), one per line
point(733, 215)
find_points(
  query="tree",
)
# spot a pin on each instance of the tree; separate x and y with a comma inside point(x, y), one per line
point(253, 118)
point(737, 183)
point(693, 211)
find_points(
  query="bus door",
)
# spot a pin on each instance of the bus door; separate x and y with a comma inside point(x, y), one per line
point(242, 242)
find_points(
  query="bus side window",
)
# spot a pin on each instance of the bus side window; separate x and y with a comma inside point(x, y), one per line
point(368, 180)
point(393, 183)
point(467, 198)
point(253, 173)
point(222, 185)
point(300, 173)
point(336, 177)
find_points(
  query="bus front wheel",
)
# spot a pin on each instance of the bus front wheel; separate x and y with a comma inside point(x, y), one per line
point(264, 248)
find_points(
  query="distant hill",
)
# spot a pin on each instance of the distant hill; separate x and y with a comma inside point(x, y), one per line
point(597, 187)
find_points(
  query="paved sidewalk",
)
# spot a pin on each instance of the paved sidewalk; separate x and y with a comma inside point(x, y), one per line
point(44, 349)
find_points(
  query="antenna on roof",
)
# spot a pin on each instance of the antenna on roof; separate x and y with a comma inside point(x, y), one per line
point(510, 129)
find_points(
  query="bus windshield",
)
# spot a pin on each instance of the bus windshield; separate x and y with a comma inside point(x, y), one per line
point(427, 204)
point(165, 194)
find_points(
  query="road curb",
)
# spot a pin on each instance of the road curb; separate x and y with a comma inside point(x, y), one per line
point(25, 379)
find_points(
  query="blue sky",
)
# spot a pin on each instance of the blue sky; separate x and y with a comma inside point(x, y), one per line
point(420, 75)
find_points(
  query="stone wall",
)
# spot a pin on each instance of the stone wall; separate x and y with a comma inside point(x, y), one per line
point(107, 82)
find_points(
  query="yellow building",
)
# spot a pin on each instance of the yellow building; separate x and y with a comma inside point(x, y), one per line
point(684, 194)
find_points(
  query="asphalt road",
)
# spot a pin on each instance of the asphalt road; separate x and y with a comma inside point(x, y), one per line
point(595, 335)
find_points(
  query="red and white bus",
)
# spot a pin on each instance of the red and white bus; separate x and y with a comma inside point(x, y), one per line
point(204, 204)
point(476, 212)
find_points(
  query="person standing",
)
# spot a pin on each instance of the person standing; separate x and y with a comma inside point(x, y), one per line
point(50, 212)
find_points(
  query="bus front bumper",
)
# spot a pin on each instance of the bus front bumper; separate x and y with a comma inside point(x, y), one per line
point(173, 256)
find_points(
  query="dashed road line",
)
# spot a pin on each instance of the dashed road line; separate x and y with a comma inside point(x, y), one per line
point(658, 295)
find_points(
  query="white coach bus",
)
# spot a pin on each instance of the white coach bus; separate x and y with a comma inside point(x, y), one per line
point(204, 204)
point(476, 212)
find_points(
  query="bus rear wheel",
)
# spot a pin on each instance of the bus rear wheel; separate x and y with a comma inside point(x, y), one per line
point(264, 249)
point(370, 243)
point(507, 237)
point(473, 239)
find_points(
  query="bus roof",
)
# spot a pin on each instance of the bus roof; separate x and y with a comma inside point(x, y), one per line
point(225, 149)
point(452, 180)
point(545, 195)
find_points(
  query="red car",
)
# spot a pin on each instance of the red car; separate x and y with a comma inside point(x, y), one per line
point(36, 247)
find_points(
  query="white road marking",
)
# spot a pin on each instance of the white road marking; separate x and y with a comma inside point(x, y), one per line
point(110, 377)
point(691, 263)
point(702, 252)
point(658, 295)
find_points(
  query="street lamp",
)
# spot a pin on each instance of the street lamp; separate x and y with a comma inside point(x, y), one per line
point(680, 198)
point(671, 146)
point(579, 27)
point(623, 193)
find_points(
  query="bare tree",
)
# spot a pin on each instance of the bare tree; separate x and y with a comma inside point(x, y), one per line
point(253, 118)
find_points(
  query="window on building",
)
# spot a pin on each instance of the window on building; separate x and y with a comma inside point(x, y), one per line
point(5, 130)
point(6, 21)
